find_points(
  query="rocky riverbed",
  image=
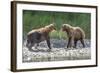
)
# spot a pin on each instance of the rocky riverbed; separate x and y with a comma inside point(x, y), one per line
point(59, 52)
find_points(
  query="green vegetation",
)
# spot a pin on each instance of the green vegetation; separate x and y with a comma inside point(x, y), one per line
point(38, 19)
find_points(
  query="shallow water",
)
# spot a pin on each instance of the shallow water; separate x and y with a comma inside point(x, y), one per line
point(57, 53)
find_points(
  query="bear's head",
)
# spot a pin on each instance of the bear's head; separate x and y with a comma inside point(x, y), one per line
point(51, 27)
point(66, 27)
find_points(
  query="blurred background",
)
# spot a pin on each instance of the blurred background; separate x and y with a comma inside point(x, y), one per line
point(37, 19)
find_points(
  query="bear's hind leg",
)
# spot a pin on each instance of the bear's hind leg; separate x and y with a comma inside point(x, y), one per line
point(82, 41)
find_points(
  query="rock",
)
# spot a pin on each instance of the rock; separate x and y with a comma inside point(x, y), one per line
point(57, 53)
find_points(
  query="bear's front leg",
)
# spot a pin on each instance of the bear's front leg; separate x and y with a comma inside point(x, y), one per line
point(75, 43)
point(48, 43)
point(36, 45)
point(69, 42)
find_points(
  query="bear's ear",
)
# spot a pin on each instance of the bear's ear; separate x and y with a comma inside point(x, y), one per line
point(63, 25)
point(67, 25)
point(52, 25)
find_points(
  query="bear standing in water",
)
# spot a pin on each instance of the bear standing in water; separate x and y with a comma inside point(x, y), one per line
point(38, 35)
point(74, 34)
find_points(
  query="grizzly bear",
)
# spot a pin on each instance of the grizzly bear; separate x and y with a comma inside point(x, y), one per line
point(36, 36)
point(74, 34)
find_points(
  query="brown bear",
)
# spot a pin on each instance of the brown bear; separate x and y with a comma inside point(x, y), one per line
point(36, 36)
point(74, 34)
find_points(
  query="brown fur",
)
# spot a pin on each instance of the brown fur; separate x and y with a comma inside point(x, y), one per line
point(47, 29)
point(74, 34)
point(37, 35)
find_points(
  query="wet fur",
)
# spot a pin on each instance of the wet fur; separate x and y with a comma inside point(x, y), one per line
point(74, 34)
point(36, 36)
